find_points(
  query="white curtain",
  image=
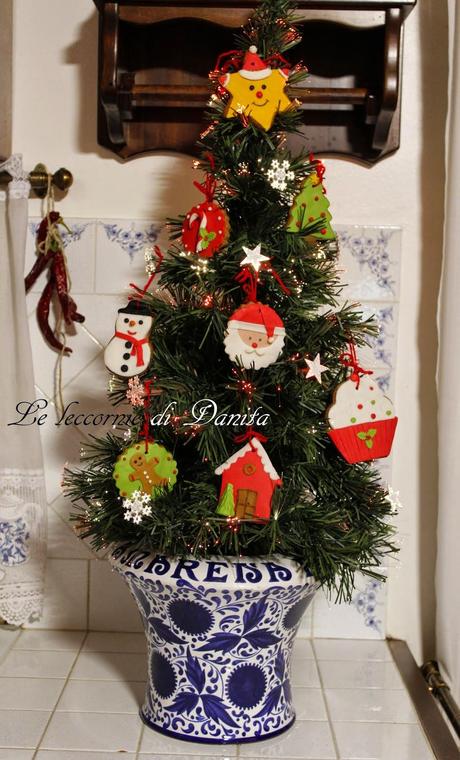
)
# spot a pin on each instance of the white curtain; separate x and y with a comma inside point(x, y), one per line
point(448, 561)
point(22, 488)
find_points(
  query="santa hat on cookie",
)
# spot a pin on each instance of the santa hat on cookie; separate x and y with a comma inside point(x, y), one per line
point(259, 318)
point(253, 67)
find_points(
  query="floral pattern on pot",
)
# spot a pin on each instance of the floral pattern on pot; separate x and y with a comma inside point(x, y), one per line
point(220, 634)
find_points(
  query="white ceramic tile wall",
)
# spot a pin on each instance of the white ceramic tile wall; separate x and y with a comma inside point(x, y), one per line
point(104, 256)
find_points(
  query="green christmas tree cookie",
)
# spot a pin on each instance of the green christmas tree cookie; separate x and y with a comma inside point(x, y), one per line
point(226, 505)
point(149, 471)
point(311, 205)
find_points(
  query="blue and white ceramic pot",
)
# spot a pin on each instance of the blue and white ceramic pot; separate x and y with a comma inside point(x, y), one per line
point(220, 634)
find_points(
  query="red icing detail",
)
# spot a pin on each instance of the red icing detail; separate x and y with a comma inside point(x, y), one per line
point(360, 406)
point(259, 94)
point(262, 317)
point(354, 449)
point(373, 416)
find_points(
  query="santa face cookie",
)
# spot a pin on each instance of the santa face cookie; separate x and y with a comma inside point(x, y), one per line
point(363, 421)
point(129, 351)
point(255, 336)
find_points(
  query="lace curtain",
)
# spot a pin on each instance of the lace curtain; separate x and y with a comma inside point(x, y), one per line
point(22, 487)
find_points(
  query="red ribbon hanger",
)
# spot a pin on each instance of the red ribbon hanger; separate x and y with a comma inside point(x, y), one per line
point(249, 434)
point(350, 359)
point(140, 292)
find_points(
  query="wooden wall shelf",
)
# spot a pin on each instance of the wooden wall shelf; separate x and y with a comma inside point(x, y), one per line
point(155, 55)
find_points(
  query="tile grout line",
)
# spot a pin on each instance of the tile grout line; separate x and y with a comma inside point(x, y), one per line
point(326, 705)
point(10, 648)
point(88, 595)
point(95, 225)
point(139, 742)
point(66, 681)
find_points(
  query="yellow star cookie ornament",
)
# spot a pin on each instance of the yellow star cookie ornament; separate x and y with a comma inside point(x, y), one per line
point(256, 90)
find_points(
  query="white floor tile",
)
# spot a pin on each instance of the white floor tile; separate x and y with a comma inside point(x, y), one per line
point(98, 696)
point(7, 640)
point(309, 704)
point(305, 673)
point(53, 641)
point(59, 754)
point(306, 739)
point(19, 664)
point(30, 693)
point(359, 675)
point(156, 756)
point(303, 650)
point(92, 731)
point(381, 741)
point(115, 642)
point(370, 705)
point(156, 744)
point(110, 666)
point(16, 754)
point(351, 649)
point(22, 729)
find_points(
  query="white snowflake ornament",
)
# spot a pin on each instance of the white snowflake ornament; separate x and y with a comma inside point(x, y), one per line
point(279, 174)
point(137, 506)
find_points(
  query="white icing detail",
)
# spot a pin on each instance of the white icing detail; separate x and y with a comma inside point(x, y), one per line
point(347, 398)
point(247, 356)
point(254, 443)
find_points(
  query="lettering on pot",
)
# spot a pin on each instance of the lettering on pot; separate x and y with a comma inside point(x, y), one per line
point(215, 572)
point(189, 565)
point(247, 572)
point(277, 572)
point(160, 564)
point(138, 561)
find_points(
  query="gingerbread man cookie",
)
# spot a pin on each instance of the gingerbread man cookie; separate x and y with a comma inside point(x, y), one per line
point(138, 469)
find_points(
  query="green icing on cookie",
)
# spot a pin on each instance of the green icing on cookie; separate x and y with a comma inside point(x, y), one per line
point(148, 471)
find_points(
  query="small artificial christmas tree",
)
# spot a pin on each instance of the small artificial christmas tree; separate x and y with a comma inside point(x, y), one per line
point(249, 344)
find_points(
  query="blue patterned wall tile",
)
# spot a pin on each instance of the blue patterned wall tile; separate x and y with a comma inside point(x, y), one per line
point(381, 350)
point(362, 618)
point(120, 246)
point(370, 261)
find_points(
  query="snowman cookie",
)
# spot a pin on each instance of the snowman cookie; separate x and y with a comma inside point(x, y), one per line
point(362, 419)
point(130, 351)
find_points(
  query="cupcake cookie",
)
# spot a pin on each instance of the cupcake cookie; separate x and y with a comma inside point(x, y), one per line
point(363, 421)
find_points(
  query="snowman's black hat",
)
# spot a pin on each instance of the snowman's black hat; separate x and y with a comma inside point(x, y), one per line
point(136, 307)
